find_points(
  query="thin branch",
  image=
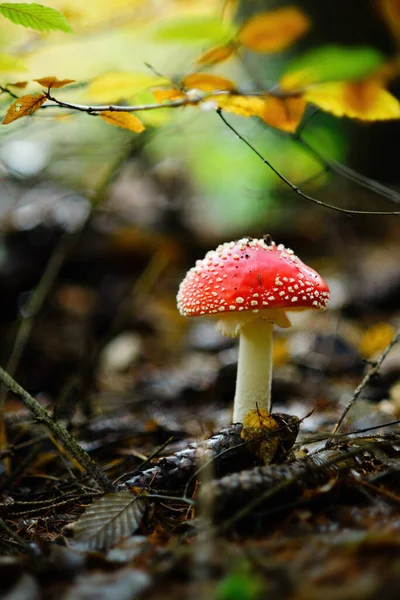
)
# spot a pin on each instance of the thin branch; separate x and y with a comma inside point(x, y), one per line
point(371, 372)
point(293, 187)
point(66, 439)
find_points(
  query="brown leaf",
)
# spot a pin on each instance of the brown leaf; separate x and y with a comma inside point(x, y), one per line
point(109, 519)
point(19, 84)
point(53, 82)
point(207, 82)
point(258, 432)
point(274, 30)
point(216, 55)
point(26, 105)
point(123, 119)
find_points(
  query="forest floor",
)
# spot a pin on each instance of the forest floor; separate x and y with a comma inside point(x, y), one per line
point(195, 512)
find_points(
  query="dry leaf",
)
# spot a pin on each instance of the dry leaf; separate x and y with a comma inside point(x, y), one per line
point(123, 119)
point(26, 105)
point(109, 519)
point(169, 94)
point(216, 55)
point(274, 30)
point(19, 84)
point(365, 100)
point(207, 82)
point(258, 432)
point(53, 82)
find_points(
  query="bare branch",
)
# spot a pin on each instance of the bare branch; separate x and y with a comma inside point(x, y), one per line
point(293, 187)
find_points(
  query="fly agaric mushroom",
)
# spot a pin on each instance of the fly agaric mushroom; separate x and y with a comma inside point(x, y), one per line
point(249, 285)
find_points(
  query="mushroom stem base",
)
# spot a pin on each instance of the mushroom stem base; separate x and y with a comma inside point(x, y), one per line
point(254, 374)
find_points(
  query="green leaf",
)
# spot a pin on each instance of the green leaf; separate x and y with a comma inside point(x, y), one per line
point(193, 30)
point(10, 63)
point(332, 63)
point(35, 16)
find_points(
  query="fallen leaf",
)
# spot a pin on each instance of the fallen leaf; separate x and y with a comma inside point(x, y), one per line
point(216, 55)
point(258, 432)
point(26, 105)
point(109, 519)
point(365, 100)
point(53, 82)
point(123, 119)
point(207, 82)
point(274, 30)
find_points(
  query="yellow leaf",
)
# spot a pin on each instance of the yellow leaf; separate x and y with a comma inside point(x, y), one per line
point(116, 86)
point(216, 55)
point(259, 432)
point(207, 82)
point(53, 82)
point(26, 105)
point(376, 339)
point(366, 100)
point(284, 113)
point(168, 94)
point(123, 119)
point(274, 30)
point(246, 106)
point(281, 113)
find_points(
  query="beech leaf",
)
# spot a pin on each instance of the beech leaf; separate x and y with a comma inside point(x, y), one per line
point(23, 106)
point(123, 119)
point(53, 82)
point(193, 30)
point(168, 94)
point(331, 63)
point(207, 82)
point(366, 100)
point(216, 55)
point(284, 114)
point(274, 30)
point(35, 16)
point(109, 519)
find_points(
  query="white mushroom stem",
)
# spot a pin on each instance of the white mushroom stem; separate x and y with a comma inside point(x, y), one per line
point(254, 375)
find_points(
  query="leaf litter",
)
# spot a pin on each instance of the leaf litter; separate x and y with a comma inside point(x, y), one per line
point(301, 512)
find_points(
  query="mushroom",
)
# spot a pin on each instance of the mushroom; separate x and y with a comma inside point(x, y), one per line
point(249, 285)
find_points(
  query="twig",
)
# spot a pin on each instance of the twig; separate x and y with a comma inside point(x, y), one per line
point(66, 439)
point(293, 187)
point(372, 371)
point(21, 542)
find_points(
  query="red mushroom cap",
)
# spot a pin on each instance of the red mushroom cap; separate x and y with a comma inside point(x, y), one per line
point(250, 275)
